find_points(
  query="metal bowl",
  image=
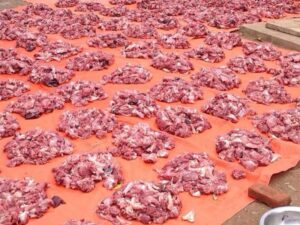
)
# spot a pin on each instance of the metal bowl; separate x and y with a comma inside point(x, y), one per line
point(288, 215)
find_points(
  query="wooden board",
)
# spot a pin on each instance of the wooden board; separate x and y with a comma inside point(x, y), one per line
point(289, 26)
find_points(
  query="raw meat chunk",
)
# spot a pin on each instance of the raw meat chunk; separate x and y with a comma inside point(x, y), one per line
point(210, 54)
point(238, 174)
point(195, 30)
point(117, 11)
point(176, 90)
point(220, 78)
point(122, 2)
point(293, 57)
point(114, 24)
point(112, 40)
point(50, 75)
point(83, 123)
point(142, 201)
point(89, 18)
point(143, 31)
point(284, 124)
point(172, 63)
point(10, 88)
point(128, 74)
point(140, 140)
point(30, 41)
point(66, 3)
point(57, 50)
point(227, 106)
point(133, 103)
point(90, 61)
point(252, 64)
point(264, 51)
point(77, 30)
point(250, 149)
point(81, 92)
point(176, 40)
point(194, 173)
point(225, 40)
point(162, 21)
point(142, 49)
point(79, 222)
point(39, 9)
point(180, 121)
point(33, 105)
point(91, 6)
point(11, 33)
point(83, 171)
point(266, 91)
point(8, 125)
point(225, 20)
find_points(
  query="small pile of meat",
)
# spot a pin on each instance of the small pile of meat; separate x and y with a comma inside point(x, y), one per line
point(90, 61)
point(10, 88)
point(82, 92)
point(50, 76)
point(142, 201)
point(133, 103)
point(162, 21)
point(238, 174)
point(142, 50)
point(194, 173)
point(112, 40)
point(66, 3)
point(8, 125)
point(266, 91)
point(91, 6)
point(22, 200)
point(83, 123)
point(79, 222)
point(181, 121)
point(227, 106)
point(265, 51)
point(225, 40)
point(30, 41)
point(77, 30)
point(250, 149)
point(83, 171)
point(33, 105)
point(220, 78)
point(140, 140)
point(142, 31)
point(36, 147)
point(172, 63)
point(252, 64)
point(122, 2)
point(176, 90)
point(176, 40)
point(117, 11)
point(212, 54)
point(12, 63)
point(195, 30)
point(57, 50)
point(128, 74)
point(284, 124)
point(114, 24)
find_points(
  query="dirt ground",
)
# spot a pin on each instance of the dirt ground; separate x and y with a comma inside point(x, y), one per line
point(288, 181)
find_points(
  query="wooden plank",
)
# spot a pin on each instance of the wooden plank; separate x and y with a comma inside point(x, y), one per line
point(289, 26)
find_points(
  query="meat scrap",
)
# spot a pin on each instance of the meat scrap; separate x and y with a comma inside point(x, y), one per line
point(264, 51)
point(266, 91)
point(117, 11)
point(91, 6)
point(122, 2)
point(141, 49)
point(114, 24)
point(176, 40)
point(90, 61)
point(142, 201)
point(172, 63)
point(36, 147)
point(252, 64)
point(162, 21)
point(22, 200)
point(283, 124)
point(194, 173)
point(176, 90)
point(33, 105)
point(133, 103)
point(128, 74)
point(30, 41)
point(112, 40)
point(195, 30)
point(66, 3)
point(210, 54)
point(83, 123)
point(79, 222)
point(143, 31)
point(220, 78)
point(8, 125)
point(77, 30)
point(140, 140)
point(238, 174)
point(225, 40)
point(83, 171)
point(250, 149)
point(81, 92)
point(57, 51)
point(181, 121)
point(227, 106)
point(10, 88)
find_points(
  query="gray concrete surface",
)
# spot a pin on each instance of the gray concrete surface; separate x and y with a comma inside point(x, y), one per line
point(7, 4)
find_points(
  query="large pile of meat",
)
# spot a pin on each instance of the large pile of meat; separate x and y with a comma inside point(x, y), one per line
point(12, 88)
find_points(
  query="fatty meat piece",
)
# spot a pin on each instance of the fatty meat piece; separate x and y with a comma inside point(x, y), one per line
point(212, 54)
point(8, 125)
point(36, 147)
point(244, 64)
point(249, 148)
point(238, 174)
point(173, 41)
point(222, 39)
point(195, 30)
point(133, 103)
point(265, 51)
point(83, 171)
point(194, 173)
point(30, 41)
point(80, 222)
point(142, 31)
point(83, 123)
point(114, 24)
point(140, 140)
point(112, 40)
point(66, 3)
point(141, 49)
point(11, 88)
point(181, 121)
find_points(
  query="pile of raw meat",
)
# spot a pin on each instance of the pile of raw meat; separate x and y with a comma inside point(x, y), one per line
point(8, 125)
point(12, 88)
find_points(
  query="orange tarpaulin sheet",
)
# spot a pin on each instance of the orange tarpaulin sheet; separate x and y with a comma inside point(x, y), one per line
point(208, 210)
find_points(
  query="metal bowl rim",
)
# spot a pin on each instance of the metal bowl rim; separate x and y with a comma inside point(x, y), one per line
point(278, 210)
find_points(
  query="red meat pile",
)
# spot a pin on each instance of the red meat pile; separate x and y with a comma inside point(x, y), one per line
point(10, 88)
point(114, 24)
point(264, 51)
point(238, 174)
point(8, 125)
point(194, 29)
point(66, 3)
point(112, 40)
point(162, 21)
point(210, 54)
point(252, 64)
point(142, 31)
point(90, 6)
point(30, 41)
point(142, 49)
point(79, 222)
point(77, 30)
point(122, 2)
point(176, 40)
point(222, 39)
